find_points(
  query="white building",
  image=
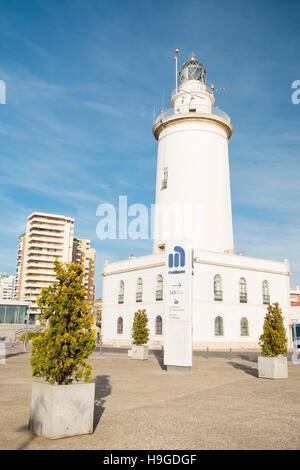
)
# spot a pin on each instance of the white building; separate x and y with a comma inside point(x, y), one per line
point(7, 286)
point(230, 292)
point(48, 237)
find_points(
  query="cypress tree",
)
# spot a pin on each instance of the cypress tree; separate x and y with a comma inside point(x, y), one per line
point(140, 332)
point(273, 341)
point(59, 353)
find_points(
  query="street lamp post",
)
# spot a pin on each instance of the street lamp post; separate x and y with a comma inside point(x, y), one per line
point(176, 69)
point(27, 323)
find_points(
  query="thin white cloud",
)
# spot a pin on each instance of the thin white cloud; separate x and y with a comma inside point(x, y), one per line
point(103, 108)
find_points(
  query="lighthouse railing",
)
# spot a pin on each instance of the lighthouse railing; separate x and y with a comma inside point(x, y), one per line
point(201, 87)
point(169, 112)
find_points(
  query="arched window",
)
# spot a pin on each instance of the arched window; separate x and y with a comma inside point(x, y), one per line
point(244, 327)
point(121, 293)
point(218, 293)
point(120, 326)
point(266, 292)
point(243, 290)
point(159, 287)
point(164, 181)
point(139, 290)
point(219, 329)
point(158, 325)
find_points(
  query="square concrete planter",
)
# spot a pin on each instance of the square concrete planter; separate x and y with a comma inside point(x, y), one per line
point(61, 410)
point(272, 367)
point(139, 352)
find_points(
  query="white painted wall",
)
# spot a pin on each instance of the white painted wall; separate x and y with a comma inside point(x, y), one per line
point(196, 155)
point(146, 267)
point(205, 308)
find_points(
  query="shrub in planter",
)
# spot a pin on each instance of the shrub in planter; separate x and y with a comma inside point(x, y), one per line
point(59, 406)
point(140, 336)
point(273, 342)
point(30, 335)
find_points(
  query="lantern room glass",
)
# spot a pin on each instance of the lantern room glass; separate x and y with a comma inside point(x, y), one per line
point(192, 70)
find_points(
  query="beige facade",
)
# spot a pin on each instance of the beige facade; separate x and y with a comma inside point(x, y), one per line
point(85, 255)
point(98, 310)
point(48, 237)
point(295, 297)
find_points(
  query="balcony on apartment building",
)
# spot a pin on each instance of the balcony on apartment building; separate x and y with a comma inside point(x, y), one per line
point(49, 233)
point(46, 226)
point(44, 250)
point(45, 241)
point(51, 223)
point(39, 264)
point(37, 271)
point(29, 284)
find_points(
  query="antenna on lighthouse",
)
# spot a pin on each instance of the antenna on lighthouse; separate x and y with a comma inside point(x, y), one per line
point(176, 67)
point(212, 87)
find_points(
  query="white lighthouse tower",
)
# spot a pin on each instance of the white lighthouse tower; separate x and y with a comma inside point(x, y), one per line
point(197, 292)
point(192, 180)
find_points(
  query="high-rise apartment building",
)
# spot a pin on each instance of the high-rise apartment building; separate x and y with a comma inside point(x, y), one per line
point(7, 285)
point(48, 237)
point(20, 266)
point(85, 255)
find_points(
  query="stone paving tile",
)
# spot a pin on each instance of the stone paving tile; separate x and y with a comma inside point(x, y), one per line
point(221, 404)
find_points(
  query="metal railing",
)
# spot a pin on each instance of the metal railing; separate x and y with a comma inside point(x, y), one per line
point(120, 298)
point(266, 299)
point(139, 296)
point(169, 112)
point(243, 298)
point(203, 87)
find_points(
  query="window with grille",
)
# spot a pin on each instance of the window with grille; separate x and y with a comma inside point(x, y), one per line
point(121, 293)
point(139, 290)
point(219, 328)
point(266, 292)
point(244, 327)
point(159, 288)
point(243, 290)
point(120, 326)
point(158, 325)
point(218, 293)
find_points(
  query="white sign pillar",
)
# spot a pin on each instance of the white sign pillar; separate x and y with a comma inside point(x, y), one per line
point(178, 309)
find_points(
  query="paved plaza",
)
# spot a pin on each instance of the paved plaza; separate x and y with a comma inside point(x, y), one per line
point(221, 404)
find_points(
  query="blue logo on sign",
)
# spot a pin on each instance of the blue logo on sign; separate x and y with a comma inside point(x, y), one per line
point(178, 258)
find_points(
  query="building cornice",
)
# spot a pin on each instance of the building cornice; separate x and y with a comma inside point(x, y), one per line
point(136, 268)
point(247, 268)
point(199, 261)
point(192, 117)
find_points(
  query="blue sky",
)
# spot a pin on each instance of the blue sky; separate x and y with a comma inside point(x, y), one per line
point(82, 78)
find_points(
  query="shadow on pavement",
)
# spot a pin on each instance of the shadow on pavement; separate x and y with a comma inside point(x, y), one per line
point(102, 390)
point(15, 354)
point(249, 370)
point(30, 438)
point(159, 356)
